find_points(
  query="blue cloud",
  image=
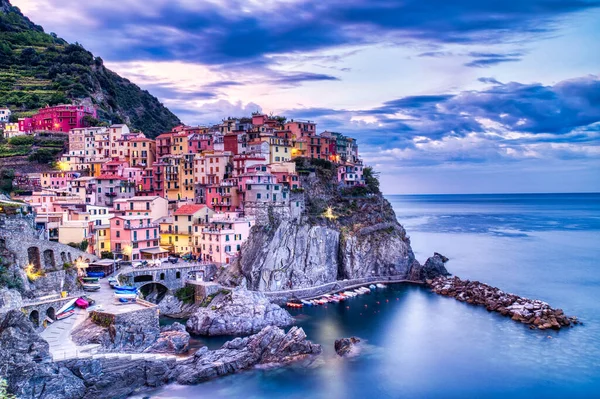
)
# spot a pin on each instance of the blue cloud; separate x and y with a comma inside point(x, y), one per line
point(485, 60)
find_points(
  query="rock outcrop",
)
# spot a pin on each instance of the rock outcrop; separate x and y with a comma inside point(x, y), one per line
point(129, 332)
point(172, 339)
point(239, 312)
point(170, 306)
point(270, 346)
point(433, 267)
point(26, 364)
point(535, 313)
point(345, 346)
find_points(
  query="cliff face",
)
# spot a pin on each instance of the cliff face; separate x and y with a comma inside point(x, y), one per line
point(344, 234)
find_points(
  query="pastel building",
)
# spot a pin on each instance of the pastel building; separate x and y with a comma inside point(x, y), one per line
point(5, 115)
point(220, 240)
point(62, 118)
point(153, 206)
point(99, 217)
point(350, 174)
point(57, 179)
point(135, 238)
point(186, 220)
point(110, 188)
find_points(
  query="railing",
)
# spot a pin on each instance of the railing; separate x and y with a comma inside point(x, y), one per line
point(140, 226)
point(110, 194)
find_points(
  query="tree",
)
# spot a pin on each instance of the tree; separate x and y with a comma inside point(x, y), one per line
point(371, 179)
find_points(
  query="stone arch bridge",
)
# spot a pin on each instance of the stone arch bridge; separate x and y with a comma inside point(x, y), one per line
point(172, 277)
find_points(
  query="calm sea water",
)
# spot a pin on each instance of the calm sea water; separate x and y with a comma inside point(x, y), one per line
point(419, 345)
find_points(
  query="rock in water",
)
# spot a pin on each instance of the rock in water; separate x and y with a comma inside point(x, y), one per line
point(270, 346)
point(239, 312)
point(344, 346)
point(433, 267)
point(172, 339)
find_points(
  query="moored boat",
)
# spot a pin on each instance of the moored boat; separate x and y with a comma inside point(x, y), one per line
point(379, 285)
point(372, 286)
point(294, 304)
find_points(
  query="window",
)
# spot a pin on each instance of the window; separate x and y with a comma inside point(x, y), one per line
point(258, 196)
point(226, 237)
point(189, 218)
point(118, 234)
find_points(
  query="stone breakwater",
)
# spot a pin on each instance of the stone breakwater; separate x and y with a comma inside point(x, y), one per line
point(535, 313)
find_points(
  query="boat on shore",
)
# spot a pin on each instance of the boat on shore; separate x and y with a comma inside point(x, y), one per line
point(64, 315)
point(125, 288)
point(67, 306)
point(90, 279)
point(96, 274)
point(90, 287)
point(125, 295)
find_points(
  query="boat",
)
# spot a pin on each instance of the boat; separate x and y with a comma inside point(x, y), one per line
point(306, 303)
point(91, 287)
point(350, 293)
point(125, 295)
point(372, 286)
point(294, 304)
point(379, 285)
point(66, 314)
point(48, 320)
point(127, 300)
point(67, 306)
point(90, 279)
point(95, 274)
point(125, 288)
point(82, 303)
point(95, 307)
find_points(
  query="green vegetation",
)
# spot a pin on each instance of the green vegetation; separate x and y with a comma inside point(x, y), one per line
point(21, 140)
point(6, 178)
point(39, 69)
point(186, 294)
point(44, 155)
point(82, 246)
point(371, 180)
point(4, 390)
point(106, 255)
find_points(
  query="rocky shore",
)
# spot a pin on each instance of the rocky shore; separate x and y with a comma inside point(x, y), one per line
point(535, 313)
point(27, 366)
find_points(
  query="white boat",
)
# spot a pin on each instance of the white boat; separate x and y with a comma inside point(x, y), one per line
point(64, 315)
point(133, 295)
point(68, 305)
point(350, 293)
point(379, 285)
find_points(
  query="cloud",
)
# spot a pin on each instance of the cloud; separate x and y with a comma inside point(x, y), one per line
point(296, 78)
point(485, 60)
point(233, 31)
point(502, 123)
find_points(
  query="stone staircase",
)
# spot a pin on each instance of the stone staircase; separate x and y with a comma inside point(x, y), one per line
point(91, 352)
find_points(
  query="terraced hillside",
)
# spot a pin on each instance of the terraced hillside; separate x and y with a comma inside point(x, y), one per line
point(37, 68)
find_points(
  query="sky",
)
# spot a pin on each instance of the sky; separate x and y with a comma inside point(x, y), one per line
point(463, 96)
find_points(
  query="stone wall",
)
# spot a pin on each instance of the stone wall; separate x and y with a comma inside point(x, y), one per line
point(203, 289)
point(269, 213)
point(281, 297)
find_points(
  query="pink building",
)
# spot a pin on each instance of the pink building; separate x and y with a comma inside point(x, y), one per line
point(61, 118)
point(135, 237)
point(25, 125)
point(221, 239)
point(351, 174)
point(57, 179)
point(223, 197)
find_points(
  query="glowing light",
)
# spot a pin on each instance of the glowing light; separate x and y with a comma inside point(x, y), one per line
point(328, 214)
point(33, 275)
point(127, 250)
point(62, 166)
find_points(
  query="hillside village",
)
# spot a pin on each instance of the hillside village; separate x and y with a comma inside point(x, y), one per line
point(194, 191)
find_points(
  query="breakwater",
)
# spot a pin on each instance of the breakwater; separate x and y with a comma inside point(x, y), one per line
point(537, 314)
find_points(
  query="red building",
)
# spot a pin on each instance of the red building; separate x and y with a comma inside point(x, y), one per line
point(61, 118)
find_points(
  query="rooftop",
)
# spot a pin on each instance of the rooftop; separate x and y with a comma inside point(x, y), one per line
point(189, 209)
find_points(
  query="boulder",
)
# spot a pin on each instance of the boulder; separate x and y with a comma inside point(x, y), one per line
point(345, 346)
point(239, 312)
point(433, 267)
point(172, 339)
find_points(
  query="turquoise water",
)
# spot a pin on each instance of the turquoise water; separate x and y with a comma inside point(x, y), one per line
point(419, 345)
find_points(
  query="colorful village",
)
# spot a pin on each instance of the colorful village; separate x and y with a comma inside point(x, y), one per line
point(193, 192)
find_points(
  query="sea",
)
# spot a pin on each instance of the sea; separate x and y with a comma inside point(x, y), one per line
point(415, 344)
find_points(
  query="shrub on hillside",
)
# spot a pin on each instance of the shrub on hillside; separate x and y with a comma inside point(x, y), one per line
point(21, 140)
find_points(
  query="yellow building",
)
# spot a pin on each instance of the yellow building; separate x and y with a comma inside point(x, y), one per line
point(280, 149)
point(186, 222)
point(179, 144)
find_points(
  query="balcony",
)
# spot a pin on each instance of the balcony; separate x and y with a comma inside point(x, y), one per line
point(110, 194)
point(129, 226)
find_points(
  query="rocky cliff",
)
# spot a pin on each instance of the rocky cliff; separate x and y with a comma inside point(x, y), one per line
point(345, 233)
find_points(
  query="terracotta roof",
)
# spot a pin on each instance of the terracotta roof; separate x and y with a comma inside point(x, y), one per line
point(141, 139)
point(189, 209)
point(111, 177)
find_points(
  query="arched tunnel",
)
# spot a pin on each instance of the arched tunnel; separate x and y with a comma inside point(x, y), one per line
point(154, 292)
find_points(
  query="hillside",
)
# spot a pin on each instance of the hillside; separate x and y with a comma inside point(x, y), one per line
point(37, 68)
